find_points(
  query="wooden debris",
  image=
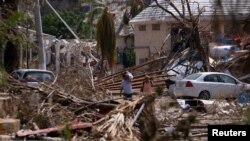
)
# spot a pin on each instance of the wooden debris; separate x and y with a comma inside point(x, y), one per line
point(7, 107)
point(117, 123)
point(9, 126)
point(72, 126)
point(5, 137)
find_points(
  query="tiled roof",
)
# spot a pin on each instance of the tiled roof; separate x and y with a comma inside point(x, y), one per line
point(154, 13)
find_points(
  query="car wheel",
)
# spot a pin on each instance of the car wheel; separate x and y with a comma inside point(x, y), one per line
point(204, 95)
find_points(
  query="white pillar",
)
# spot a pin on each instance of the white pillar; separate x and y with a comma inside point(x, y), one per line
point(57, 57)
point(30, 55)
point(68, 54)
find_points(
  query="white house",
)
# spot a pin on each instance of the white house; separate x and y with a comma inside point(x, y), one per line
point(153, 25)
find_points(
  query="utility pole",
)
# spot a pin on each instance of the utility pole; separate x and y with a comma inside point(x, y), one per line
point(39, 36)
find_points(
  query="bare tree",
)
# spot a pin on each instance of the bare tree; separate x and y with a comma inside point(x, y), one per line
point(186, 19)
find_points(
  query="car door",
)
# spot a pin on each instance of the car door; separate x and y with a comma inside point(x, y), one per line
point(230, 87)
point(212, 85)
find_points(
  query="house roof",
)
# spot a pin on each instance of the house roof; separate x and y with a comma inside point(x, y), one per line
point(155, 14)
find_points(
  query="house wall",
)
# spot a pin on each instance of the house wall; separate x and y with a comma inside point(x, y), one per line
point(205, 26)
point(120, 43)
point(149, 42)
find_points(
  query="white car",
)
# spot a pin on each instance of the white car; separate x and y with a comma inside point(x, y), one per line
point(33, 76)
point(206, 85)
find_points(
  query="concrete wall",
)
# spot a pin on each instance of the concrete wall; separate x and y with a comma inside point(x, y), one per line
point(149, 42)
point(120, 43)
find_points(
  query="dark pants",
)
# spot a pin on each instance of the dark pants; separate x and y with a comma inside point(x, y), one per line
point(127, 96)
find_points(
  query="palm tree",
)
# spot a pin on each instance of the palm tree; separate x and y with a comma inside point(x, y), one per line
point(96, 10)
point(105, 36)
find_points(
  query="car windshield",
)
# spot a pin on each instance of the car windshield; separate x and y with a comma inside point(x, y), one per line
point(193, 76)
point(38, 76)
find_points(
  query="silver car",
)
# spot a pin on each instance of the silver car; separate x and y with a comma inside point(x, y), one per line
point(206, 85)
point(33, 76)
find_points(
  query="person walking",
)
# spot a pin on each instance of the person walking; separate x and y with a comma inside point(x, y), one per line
point(147, 85)
point(126, 87)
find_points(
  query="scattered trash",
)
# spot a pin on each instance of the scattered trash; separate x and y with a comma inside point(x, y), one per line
point(243, 98)
point(169, 130)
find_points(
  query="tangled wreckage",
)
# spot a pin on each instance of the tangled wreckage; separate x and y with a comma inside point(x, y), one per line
point(80, 111)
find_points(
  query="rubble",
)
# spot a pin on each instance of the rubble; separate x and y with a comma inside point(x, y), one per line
point(9, 126)
point(114, 119)
point(72, 126)
point(46, 110)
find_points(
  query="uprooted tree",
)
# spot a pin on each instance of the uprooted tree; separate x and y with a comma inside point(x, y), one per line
point(189, 13)
point(189, 20)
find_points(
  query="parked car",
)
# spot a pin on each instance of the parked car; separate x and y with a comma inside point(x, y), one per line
point(33, 76)
point(206, 85)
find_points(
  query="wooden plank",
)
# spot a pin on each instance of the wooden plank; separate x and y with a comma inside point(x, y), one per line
point(131, 69)
point(73, 126)
point(9, 126)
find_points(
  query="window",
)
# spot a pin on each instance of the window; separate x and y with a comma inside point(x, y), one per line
point(211, 78)
point(156, 26)
point(193, 76)
point(227, 79)
point(38, 76)
point(142, 27)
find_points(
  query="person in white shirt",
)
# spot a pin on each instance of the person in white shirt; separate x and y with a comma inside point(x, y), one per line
point(126, 87)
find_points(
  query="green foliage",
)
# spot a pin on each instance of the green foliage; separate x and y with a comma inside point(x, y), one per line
point(94, 13)
point(54, 26)
point(8, 28)
point(105, 36)
point(128, 57)
point(66, 132)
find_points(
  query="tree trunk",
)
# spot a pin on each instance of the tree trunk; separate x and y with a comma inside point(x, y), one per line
point(198, 46)
point(39, 36)
point(21, 56)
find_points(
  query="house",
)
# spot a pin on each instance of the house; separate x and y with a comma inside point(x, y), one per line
point(152, 27)
point(124, 33)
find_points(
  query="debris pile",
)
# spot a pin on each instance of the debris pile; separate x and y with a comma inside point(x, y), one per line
point(77, 107)
point(118, 124)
